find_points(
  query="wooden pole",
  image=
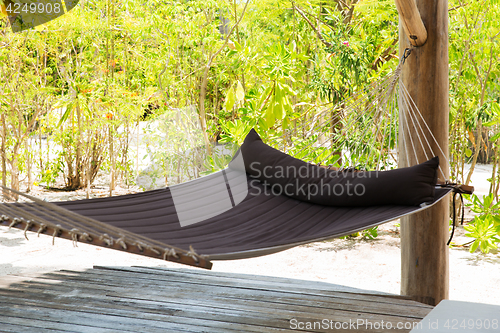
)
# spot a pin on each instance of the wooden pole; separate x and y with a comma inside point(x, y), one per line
point(411, 20)
point(424, 253)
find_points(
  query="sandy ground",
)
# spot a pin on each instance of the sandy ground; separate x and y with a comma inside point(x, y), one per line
point(365, 264)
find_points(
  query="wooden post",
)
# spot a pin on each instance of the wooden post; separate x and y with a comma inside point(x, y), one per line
point(411, 20)
point(424, 253)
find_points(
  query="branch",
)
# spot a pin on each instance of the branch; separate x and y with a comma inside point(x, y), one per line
point(342, 3)
point(385, 56)
point(165, 97)
point(458, 7)
point(228, 35)
point(204, 81)
point(348, 16)
point(317, 18)
point(318, 33)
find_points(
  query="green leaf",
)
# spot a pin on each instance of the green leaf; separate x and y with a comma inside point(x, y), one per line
point(474, 246)
point(285, 123)
point(484, 247)
point(237, 46)
point(264, 96)
point(287, 89)
point(491, 123)
point(240, 92)
point(230, 99)
point(66, 114)
point(288, 106)
point(279, 110)
point(269, 116)
point(494, 138)
point(495, 107)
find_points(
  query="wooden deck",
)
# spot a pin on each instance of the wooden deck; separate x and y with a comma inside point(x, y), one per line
point(141, 299)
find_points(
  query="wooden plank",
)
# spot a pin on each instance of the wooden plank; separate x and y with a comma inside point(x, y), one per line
point(173, 276)
point(424, 253)
point(272, 280)
point(189, 306)
point(317, 297)
point(36, 325)
point(273, 296)
point(121, 291)
point(202, 318)
point(92, 322)
point(170, 327)
point(151, 300)
point(93, 290)
point(118, 281)
point(412, 22)
point(17, 328)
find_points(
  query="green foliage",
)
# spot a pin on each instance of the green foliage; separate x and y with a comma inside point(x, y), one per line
point(474, 71)
point(91, 77)
point(485, 230)
point(126, 59)
point(485, 207)
point(371, 233)
point(485, 227)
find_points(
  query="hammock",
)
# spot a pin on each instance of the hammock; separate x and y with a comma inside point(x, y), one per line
point(146, 223)
point(235, 214)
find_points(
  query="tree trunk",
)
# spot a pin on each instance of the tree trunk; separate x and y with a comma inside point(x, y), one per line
point(4, 152)
point(28, 162)
point(203, 117)
point(112, 163)
point(424, 253)
point(14, 171)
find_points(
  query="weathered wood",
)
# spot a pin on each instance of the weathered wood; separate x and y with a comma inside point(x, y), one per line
point(270, 303)
point(424, 253)
point(466, 189)
point(250, 287)
point(37, 324)
point(16, 328)
point(124, 299)
point(231, 299)
point(412, 22)
point(268, 280)
point(460, 188)
point(254, 282)
point(93, 317)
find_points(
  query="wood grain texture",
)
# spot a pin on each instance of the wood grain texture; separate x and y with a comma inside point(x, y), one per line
point(142, 299)
point(412, 22)
point(424, 253)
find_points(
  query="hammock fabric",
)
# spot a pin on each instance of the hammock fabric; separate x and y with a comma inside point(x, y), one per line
point(262, 223)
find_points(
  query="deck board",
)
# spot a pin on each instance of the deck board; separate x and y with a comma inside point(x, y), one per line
point(143, 299)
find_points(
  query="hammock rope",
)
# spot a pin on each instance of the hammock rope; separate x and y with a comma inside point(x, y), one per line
point(52, 216)
point(379, 94)
point(415, 108)
point(376, 101)
point(350, 108)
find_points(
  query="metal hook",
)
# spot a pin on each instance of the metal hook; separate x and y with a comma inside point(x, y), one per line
point(406, 54)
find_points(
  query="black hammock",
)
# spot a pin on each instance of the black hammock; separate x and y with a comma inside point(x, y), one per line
point(260, 220)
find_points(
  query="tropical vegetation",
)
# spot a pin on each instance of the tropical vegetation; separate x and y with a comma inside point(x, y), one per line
point(78, 92)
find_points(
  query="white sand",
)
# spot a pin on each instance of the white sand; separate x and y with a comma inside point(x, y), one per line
point(372, 265)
